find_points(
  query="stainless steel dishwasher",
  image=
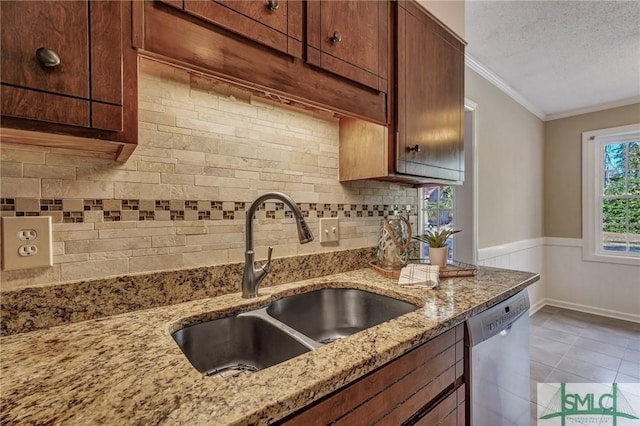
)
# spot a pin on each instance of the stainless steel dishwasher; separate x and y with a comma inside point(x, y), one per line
point(499, 364)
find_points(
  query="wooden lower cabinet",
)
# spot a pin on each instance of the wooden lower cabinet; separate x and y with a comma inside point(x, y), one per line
point(422, 387)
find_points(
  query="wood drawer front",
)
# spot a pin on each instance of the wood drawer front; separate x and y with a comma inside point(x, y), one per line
point(28, 26)
point(450, 411)
point(392, 393)
point(408, 395)
point(280, 29)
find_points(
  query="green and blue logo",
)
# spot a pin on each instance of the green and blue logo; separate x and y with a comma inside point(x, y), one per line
point(588, 403)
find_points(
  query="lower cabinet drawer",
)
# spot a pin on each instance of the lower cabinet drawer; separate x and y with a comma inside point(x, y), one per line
point(404, 391)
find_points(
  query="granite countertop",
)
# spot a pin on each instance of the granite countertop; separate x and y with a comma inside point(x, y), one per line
point(126, 369)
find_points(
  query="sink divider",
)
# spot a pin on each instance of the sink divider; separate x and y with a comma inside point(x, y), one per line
point(264, 316)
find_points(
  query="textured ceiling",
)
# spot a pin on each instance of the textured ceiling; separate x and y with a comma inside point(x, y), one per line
point(560, 56)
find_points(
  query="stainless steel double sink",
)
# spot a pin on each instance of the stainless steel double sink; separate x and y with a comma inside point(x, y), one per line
point(285, 329)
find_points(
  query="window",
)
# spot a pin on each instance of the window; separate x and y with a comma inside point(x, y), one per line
point(611, 195)
point(436, 212)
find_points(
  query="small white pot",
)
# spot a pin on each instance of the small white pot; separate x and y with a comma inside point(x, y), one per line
point(438, 255)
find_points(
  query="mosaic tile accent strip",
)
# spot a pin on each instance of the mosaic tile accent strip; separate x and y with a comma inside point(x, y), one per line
point(72, 210)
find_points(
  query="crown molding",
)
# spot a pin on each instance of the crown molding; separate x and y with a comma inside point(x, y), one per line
point(490, 76)
point(595, 108)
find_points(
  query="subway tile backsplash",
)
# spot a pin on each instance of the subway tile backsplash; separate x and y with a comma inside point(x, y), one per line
point(206, 151)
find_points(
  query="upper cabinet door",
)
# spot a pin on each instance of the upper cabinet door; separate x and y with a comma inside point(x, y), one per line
point(430, 114)
point(351, 39)
point(68, 68)
point(273, 23)
point(28, 26)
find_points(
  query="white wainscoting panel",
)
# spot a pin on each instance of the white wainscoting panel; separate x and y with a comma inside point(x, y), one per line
point(525, 255)
point(566, 280)
point(607, 289)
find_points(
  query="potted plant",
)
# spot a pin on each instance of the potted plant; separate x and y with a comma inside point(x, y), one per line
point(438, 248)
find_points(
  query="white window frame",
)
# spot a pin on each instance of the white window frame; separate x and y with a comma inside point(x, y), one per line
point(592, 190)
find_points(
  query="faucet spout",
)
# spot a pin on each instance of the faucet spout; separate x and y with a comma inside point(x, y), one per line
point(252, 276)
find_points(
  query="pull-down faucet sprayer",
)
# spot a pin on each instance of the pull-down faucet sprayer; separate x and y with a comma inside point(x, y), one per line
point(252, 277)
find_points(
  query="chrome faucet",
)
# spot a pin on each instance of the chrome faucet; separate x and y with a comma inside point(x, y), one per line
point(252, 277)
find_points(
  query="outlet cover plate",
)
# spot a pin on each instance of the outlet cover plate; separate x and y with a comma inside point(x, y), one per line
point(33, 234)
point(329, 230)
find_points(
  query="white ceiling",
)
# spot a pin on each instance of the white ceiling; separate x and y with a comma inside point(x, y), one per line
point(558, 58)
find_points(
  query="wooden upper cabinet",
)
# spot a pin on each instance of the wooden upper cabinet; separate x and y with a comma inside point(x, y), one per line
point(225, 40)
point(425, 142)
point(273, 23)
point(29, 26)
point(430, 99)
point(351, 39)
point(65, 65)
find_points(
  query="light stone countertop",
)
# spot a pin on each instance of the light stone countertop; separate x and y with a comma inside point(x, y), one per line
point(126, 369)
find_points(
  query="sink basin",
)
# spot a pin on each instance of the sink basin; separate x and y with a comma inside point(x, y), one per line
point(285, 329)
point(332, 313)
point(239, 343)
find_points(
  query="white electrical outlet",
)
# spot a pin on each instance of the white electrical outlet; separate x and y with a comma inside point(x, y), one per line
point(329, 230)
point(26, 242)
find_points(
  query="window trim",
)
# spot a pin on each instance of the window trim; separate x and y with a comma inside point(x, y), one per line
point(592, 178)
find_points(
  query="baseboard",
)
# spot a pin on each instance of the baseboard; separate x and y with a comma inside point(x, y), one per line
point(587, 309)
point(537, 306)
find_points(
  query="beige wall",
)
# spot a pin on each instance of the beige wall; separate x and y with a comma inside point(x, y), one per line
point(510, 166)
point(563, 166)
point(450, 12)
point(205, 152)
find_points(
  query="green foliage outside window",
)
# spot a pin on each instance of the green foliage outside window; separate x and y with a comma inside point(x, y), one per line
point(621, 180)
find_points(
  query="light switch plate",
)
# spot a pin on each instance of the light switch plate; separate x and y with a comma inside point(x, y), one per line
point(26, 242)
point(329, 230)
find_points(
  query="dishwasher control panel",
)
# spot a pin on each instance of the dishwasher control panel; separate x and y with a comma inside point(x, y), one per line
point(499, 318)
point(505, 315)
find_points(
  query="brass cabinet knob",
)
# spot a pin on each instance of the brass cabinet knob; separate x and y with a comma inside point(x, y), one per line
point(47, 57)
point(273, 5)
point(336, 37)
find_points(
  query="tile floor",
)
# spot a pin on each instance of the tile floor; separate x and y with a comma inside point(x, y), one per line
point(574, 347)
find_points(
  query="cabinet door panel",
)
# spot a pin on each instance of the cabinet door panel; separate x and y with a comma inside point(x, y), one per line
point(27, 26)
point(357, 23)
point(255, 20)
point(430, 104)
point(350, 38)
point(259, 11)
point(31, 104)
point(106, 51)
